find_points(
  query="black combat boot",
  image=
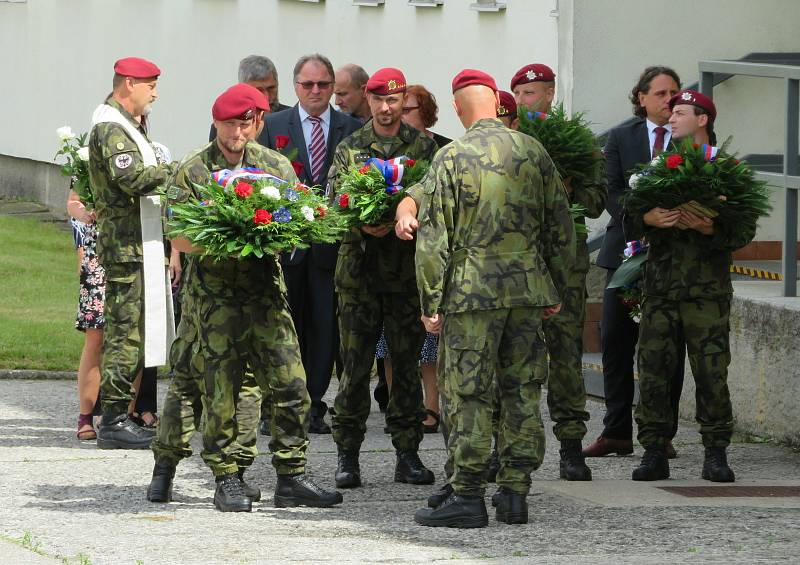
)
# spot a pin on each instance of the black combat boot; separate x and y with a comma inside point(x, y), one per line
point(160, 489)
point(120, 432)
point(499, 494)
point(493, 466)
point(348, 472)
point(300, 490)
point(230, 496)
point(250, 491)
point(654, 466)
point(440, 495)
point(409, 469)
point(512, 507)
point(263, 426)
point(458, 511)
point(572, 466)
point(715, 466)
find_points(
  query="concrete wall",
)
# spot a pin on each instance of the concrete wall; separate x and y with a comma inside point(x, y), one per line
point(30, 180)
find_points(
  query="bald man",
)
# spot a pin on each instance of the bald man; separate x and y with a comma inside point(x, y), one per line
point(351, 97)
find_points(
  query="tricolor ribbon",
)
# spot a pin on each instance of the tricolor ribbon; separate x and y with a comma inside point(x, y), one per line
point(225, 176)
point(709, 152)
point(634, 248)
point(541, 116)
point(392, 171)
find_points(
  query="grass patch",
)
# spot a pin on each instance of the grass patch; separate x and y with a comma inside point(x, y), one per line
point(39, 290)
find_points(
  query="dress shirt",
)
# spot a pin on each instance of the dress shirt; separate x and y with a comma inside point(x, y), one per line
point(651, 133)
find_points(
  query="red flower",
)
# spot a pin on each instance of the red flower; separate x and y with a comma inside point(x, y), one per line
point(298, 167)
point(364, 170)
point(281, 141)
point(243, 190)
point(410, 162)
point(301, 187)
point(674, 161)
point(321, 212)
point(262, 217)
point(696, 145)
point(344, 200)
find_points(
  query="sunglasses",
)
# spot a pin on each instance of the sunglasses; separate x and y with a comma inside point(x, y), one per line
point(321, 84)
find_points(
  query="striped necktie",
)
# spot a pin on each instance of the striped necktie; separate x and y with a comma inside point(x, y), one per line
point(316, 149)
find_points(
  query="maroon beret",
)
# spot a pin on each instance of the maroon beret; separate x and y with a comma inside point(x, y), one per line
point(533, 73)
point(239, 102)
point(468, 77)
point(508, 105)
point(694, 98)
point(387, 81)
point(136, 68)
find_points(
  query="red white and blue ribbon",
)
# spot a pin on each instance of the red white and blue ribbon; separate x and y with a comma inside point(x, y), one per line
point(226, 176)
point(392, 171)
point(634, 248)
point(541, 116)
point(709, 152)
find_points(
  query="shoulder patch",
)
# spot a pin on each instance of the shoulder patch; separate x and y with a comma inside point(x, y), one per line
point(123, 160)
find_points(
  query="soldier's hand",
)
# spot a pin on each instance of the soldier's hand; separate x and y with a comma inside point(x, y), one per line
point(662, 218)
point(550, 311)
point(433, 324)
point(376, 231)
point(406, 226)
point(700, 223)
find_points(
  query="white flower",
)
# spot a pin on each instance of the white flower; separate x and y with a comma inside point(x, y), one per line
point(633, 180)
point(655, 161)
point(637, 318)
point(271, 192)
point(83, 153)
point(308, 213)
point(64, 133)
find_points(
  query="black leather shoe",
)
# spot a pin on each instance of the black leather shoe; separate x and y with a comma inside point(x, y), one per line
point(493, 467)
point(160, 489)
point(500, 493)
point(250, 491)
point(572, 466)
point(512, 508)
point(409, 469)
point(440, 495)
point(317, 425)
point(230, 496)
point(299, 490)
point(348, 472)
point(121, 432)
point(263, 427)
point(715, 466)
point(458, 511)
point(654, 466)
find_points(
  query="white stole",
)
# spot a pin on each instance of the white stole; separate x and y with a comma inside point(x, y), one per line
point(159, 318)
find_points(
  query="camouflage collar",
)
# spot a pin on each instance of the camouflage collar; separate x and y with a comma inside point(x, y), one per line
point(406, 134)
point(217, 160)
point(486, 123)
point(128, 116)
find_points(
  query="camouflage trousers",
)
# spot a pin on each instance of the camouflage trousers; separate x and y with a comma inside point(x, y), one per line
point(566, 391)
point(123, 336)
point(478, 349)
point(703, 324)
point(259, 334)
point(182, 407)
point(361, 316)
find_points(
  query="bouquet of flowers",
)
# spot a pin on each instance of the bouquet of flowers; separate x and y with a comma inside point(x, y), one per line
point(74, 148)
point(627, 279)
point(701, 179)
point(369, 195)
point(569, 142)
point(248, 211)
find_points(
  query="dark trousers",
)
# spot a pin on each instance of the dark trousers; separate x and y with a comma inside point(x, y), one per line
point(147, 398)
point(619, 334)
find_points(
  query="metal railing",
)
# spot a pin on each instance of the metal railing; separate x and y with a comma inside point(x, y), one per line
point(789, 179)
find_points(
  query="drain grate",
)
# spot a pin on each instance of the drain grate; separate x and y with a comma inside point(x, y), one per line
point(734, 491)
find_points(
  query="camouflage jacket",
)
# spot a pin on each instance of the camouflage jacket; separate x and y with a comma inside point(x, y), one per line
point(494, 224)
point(118, 177)
point(366, 263)
point(593, 198)
point(235, 279)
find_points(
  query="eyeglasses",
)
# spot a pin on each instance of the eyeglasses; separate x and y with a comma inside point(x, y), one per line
point(321, 84)
point(410, 109)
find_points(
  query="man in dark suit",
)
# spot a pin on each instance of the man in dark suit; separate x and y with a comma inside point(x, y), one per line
point(627, 146)
point(308, 134)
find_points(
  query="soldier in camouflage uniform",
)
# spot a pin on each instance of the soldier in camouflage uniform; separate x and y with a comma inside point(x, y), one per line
point(494, 243)
point(687, 296)
point(118, 177)
point(566, 393)
point(242, 318)
point(376, 288)
point(183, 408)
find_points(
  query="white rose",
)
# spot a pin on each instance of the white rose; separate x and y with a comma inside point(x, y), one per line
point(655, 161)
point(633, 180)
point(64, 133)
point(83, 153)
point(308, 213)
point(271, 192)
point(637, 318)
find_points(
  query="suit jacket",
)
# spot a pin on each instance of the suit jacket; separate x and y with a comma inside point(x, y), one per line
point(280, 108)
point(626, 147)
point(288, 124)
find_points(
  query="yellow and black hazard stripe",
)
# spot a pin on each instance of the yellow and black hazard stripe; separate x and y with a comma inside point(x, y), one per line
point(756, 273)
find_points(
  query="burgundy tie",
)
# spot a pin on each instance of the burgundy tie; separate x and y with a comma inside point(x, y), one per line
point(658, 146)
point(316, 148)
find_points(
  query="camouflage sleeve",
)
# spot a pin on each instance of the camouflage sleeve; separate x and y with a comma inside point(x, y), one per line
point(415, 192)
point(728, 237)
point(592, 197)
point(121, 158)
point(436, 220)
point(558, 230)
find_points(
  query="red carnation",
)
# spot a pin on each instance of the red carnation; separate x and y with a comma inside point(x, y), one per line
point(321, 212)
point(298, 167)
point(364, 170)
point(411, 162)
point(243, 190)
point(674, 161)
point(344, 200)
point(262, 217)
point(281, 141)
point(696, 145)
